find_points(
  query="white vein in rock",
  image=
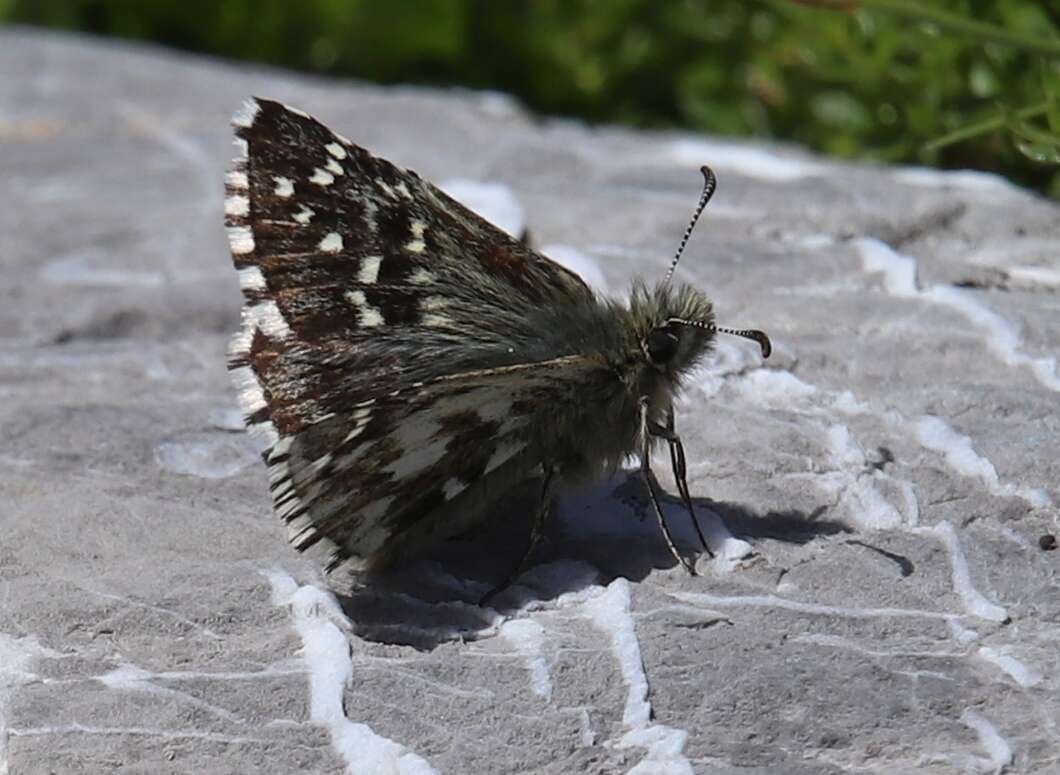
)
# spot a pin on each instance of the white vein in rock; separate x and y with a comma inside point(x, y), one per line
point(17, 656)
point(135, 679)
point(528, 639)
point(772, 601)
point(1019, 672)
point(1002, 338)
point(610, 613)
point(317, 618)
point(938, 435)
point(161, 734)
point(856, 487)
point(998, 751)
point(973, 600)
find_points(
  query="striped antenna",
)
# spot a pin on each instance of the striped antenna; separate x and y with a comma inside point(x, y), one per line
point(710, 183)
point(747, 333)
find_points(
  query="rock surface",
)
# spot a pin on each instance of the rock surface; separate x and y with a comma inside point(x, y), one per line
point(877, 489)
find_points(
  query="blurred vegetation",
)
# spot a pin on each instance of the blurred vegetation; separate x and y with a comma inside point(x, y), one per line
point(950, 83)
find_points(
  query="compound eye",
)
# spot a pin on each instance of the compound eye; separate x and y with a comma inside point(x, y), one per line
point(661, 346)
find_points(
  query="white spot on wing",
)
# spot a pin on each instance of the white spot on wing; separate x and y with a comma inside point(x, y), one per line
point(368, 315)
point(251, 279)
point(370, 211)
point(336, 150)
point(266, 317)
point(416, 244)
point(332, 242)
point(248, 390)
point(237, 206)
point(322, 177)
point(385, 188)
point(240, 240)
point(334, 167)
point(361, 417)
point(432, 303)
point(436, 320)
point(452, 488)
point(371, 317)
point(402, 189)
point(304, 215)
point(284, 186)
point(246, 115)
point(236, 179)
point(430, 306)
point(421, 276)
point(369, 271)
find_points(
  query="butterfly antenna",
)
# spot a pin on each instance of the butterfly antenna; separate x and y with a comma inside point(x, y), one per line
point(747, 333)
point(710, 183)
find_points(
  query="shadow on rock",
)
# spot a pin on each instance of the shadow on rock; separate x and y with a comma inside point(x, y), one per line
point(791, 526)
point(596, 534)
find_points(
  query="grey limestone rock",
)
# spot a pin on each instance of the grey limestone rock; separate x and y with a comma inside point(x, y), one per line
point(875, 492)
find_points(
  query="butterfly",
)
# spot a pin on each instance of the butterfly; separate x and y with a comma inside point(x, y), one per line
point(407, 363)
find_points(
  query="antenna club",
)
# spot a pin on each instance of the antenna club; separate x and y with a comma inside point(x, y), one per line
point(751, 333)
point(710, 183)
point(710, 180)
point(747, 333)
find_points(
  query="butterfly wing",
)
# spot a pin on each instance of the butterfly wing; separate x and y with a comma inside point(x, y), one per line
point(391, 349)
point(394, 473)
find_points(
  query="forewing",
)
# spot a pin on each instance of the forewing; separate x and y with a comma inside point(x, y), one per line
point(359, 277)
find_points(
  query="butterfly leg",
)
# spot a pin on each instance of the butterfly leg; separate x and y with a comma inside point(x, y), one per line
point(677, 460)
point(646, 432)
point(537, 530)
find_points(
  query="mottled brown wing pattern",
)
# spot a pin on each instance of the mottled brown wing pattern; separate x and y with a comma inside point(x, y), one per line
point(365, 288)
point(363, 481)
point(345, 259)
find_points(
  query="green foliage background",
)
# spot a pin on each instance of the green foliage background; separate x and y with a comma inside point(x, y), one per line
point(852, 78)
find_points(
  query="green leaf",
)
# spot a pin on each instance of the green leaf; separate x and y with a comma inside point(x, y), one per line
point(1036, 144)
point(1043, 153)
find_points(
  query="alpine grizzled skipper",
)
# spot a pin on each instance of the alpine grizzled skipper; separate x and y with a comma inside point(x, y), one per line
point(408, 363)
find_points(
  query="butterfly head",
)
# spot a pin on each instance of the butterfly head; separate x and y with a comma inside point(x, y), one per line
point(674, 326)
